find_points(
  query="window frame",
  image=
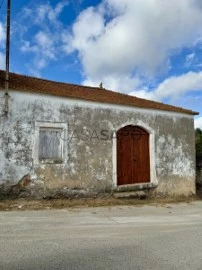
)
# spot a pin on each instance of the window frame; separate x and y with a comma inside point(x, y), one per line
point(52, 125)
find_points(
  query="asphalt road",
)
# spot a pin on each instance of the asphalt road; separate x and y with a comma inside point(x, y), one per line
point(122, 238)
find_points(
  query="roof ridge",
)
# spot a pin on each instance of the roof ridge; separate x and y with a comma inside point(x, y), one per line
point(65, 83)
point(27, 83)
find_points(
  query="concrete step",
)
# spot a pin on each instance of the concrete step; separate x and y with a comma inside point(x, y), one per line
point(135, 187)
point(131, 195)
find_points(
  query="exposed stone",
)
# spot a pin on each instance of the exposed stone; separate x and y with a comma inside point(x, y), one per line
point(69, 193)
point(21, 185)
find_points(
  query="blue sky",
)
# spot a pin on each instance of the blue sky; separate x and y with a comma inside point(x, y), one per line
point(150, 49)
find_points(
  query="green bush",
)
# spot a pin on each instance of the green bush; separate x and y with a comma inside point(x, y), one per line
point(198, 135)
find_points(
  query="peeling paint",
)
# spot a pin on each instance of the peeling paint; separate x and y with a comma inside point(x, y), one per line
point(89, 163)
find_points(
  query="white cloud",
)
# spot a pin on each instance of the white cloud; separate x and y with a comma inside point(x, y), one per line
point(43, 40)
point(2, 61)
point(123, 44)
point(43, 47)
point(41, 13)
point(198, 123)
point(2, 34)
point(2, 45)
point(173, 87)
point(190, 58)
point(144, 94)
point(176, 86)
point(87, 28)
point(119, 83)
point(133, 37)
point(45, 44)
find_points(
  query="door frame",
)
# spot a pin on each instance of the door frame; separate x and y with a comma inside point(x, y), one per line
point(151, 132)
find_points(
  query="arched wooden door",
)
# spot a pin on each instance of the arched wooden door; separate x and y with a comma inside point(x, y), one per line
point(133, 161)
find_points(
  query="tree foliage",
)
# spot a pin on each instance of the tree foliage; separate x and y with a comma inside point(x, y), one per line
point(198, 136)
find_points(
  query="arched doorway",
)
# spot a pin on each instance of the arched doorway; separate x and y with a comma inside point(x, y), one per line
point(133, 159)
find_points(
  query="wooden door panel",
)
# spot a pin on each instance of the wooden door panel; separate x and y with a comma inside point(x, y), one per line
point(133, 161)
point(141, 167)
point(124, 161)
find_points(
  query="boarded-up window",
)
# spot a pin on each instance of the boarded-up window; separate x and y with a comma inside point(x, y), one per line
point(50, 147)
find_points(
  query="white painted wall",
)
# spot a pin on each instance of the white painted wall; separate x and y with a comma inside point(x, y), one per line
point(171, 139)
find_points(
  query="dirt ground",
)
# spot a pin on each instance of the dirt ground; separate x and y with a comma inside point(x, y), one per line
point(28, 204)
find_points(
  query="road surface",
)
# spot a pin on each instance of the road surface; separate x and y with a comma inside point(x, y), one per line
point(122, 237)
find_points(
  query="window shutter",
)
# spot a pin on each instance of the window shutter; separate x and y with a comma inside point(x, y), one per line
point(49, 144)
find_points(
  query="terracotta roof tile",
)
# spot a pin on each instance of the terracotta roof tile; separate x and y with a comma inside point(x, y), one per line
point(36, 85)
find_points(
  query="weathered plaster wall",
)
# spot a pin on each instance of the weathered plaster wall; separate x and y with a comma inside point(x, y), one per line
point(90, 161)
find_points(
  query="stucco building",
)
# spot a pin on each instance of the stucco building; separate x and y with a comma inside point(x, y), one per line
point(75, 137)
